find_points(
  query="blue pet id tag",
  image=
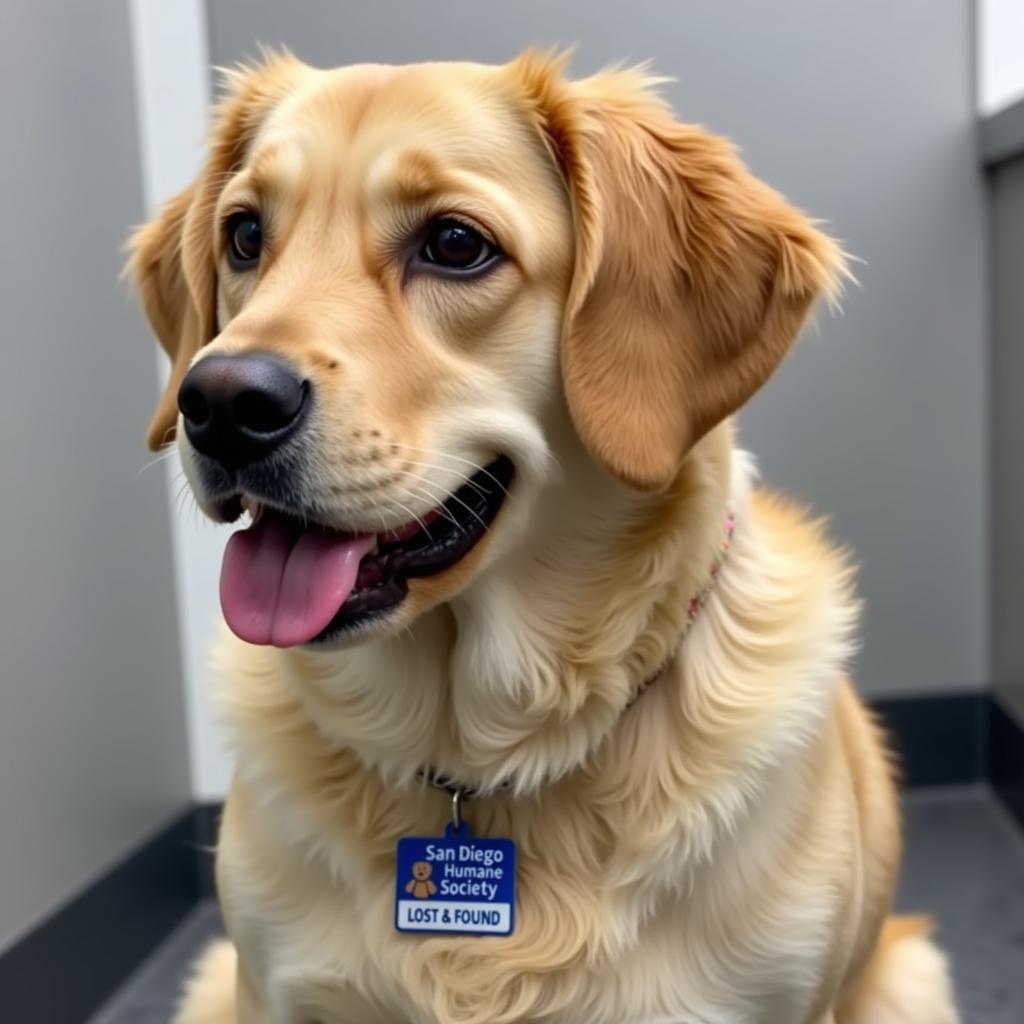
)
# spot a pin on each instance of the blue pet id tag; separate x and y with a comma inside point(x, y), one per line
point(456, 884)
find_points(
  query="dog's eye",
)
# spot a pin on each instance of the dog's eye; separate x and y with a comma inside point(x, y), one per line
point(245, 239)
point(452, 245)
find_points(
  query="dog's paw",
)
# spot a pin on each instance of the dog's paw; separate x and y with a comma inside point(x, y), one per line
point(907, 982)
point(210, 993)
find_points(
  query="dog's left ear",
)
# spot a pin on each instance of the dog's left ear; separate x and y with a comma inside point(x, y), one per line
point(691, 280)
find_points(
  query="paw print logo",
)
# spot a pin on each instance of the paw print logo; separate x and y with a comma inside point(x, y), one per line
point(420, 885)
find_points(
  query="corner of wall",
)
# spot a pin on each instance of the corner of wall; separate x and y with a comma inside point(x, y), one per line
point(172, 82)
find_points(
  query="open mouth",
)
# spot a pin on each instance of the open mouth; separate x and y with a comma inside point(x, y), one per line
point(287, 581)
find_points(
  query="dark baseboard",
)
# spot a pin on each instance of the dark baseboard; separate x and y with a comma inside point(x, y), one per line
point(941, 740)
point(206, 826)
point(66, 967)
point(71, 963)
point(1006, 759)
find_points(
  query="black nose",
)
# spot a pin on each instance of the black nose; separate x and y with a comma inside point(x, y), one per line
point(238, 409)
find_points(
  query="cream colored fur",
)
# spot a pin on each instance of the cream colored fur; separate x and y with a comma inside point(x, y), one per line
point(721, 851)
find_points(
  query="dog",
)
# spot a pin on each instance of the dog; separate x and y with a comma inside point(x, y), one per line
point(464, 343)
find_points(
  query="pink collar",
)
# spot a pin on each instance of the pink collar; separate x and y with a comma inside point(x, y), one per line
point(460, 793)
point(721, 554)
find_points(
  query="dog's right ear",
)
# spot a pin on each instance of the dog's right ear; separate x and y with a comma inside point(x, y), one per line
point(156, 267)
point(173, 259)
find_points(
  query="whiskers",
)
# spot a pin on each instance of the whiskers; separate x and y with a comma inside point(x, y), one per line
point(184, 504)
point(434, 453)
point(413, 517)
point(418, 492)
point(416, 488)
point(185, 500)
point(434, 499)
point(429, 489)
point(166, 452)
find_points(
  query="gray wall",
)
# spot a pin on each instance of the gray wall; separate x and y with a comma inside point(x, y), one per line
point(1008, 433)
point(92, 732)
point(863, 113)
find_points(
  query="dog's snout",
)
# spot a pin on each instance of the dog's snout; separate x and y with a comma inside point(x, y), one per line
point(239, 408)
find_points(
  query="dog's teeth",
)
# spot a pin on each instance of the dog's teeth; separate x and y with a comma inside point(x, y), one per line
point(253, 507)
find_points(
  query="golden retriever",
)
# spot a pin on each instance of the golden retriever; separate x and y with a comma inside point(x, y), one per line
point(464, 342)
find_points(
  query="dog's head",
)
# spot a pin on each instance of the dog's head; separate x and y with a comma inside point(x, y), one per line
point(400, 302)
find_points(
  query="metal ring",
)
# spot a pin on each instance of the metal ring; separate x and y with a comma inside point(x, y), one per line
point(457, 809)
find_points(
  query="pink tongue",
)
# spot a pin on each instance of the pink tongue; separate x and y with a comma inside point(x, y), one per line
point(276, 588)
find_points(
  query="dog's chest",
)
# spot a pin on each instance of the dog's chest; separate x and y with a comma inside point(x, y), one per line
point(736, 940)
point(331, 956)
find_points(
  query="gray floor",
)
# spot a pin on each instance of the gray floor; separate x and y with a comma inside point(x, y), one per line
point(964, 865)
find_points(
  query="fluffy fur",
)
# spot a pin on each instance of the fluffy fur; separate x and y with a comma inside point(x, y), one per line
point(724, 849)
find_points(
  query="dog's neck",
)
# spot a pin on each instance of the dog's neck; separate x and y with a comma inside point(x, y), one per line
point(523, 677)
